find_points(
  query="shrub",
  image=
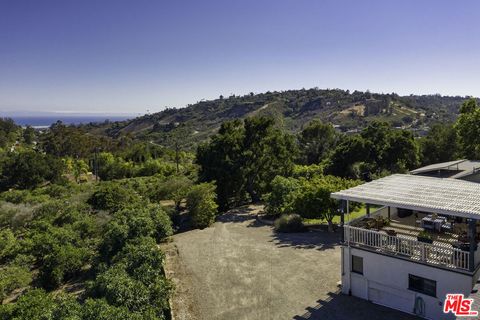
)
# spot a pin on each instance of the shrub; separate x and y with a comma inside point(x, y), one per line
point(8, 245)
point(280, 200)
point(49, 210)
point(289, 223)
point(141, 258)
point(201, 205)
point(36, 304)
point(162, 222)
point(61, 264)
point(13, 277)
point(6, 216)
point(174, 188)
point(14, 196)
point(99, 309)
point(66, 307)
point(119, 289)
point(127, 224)
point(28, 169)
point(113, 197)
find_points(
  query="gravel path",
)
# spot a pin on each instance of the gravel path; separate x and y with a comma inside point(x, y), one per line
point(240, 269)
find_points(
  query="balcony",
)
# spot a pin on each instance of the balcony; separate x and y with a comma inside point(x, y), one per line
point(393, 235)
point(437, 254)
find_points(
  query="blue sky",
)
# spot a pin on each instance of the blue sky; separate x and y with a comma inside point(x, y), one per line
point(130, 56)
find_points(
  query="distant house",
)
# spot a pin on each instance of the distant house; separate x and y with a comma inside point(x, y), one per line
point(468, 170)
point(418, 245)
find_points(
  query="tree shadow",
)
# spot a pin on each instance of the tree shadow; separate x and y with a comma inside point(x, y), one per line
point(342, 307)
point(241, 214)
point(318, 239)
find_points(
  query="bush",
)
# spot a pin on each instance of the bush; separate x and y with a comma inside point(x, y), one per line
point(99, 309)
point(8, 245)
point(24, 196)
point(162, 222)
point(36, 304)
point(65, 262)
point(28, 169)
point(201, 205)
point(134, 223)
point(119, 289)
point(141, 258)
point(174, 188)
point(289, 223)
point(13, 277)
point(280, 200)
point(113, 197)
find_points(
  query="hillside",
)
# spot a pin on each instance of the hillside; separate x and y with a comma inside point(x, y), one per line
point(292, 108)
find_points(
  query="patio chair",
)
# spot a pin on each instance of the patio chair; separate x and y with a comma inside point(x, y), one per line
point(447, 227)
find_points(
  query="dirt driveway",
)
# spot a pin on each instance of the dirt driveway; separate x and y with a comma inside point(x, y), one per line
point(240, 269)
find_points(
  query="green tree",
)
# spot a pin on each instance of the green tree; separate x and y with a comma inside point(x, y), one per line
point(220, 160)
point(63, 263)
point(173, 188)
point(8, 245)
point(99, 309)
point(79, 168)
point(28, 169)
point(201, 205)
point(280, 200)
point(267, 152)
point(36, 304)
point(440, 144)
point(312, 199)
point(351, 150)
point(29, 135)
point(317, 140)
point(377, 140)
point(402, 152)
point(243, 158)
point(113, 197)
point(111, 167)
point(67, 141)
point(8, 132)
point(468, 129)
point(13, 277)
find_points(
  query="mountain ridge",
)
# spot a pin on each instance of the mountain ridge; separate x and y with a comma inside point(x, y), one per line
point(291, 108)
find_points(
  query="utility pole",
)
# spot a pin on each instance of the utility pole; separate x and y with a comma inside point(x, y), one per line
point(95, 164)
point(177, 157)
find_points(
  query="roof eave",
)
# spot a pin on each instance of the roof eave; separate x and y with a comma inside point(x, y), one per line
point(341, 196)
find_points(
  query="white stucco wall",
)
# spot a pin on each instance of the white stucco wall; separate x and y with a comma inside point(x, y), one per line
point(386, 279)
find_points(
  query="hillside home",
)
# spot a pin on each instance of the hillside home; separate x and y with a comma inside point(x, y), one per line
point(416, 244)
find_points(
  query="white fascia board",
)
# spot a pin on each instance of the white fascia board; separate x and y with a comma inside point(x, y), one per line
point(340, 196)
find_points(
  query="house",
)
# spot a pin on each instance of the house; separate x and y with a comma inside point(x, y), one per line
point(416, 244)
point(468, 170)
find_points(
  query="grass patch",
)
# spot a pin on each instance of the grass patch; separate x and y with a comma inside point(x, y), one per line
point(353, 215)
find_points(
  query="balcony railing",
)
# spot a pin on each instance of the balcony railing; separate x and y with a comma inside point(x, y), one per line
point(434, 254)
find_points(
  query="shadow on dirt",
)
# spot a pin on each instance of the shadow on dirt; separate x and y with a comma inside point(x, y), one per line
point(341, 307)
point(318, 239)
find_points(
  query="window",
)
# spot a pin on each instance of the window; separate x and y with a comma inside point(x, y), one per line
point(357, 264)
point(422, 285)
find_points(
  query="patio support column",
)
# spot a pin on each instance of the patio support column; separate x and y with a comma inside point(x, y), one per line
point(472, 229)
point(368, 210)
point(342, 221)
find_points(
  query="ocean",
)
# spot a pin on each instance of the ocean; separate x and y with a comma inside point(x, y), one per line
point(45, 121)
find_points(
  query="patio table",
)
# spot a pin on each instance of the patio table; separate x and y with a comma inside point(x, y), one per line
point(431, 223)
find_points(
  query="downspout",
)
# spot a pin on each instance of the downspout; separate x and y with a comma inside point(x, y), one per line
point(472, 225)
point(349, 255)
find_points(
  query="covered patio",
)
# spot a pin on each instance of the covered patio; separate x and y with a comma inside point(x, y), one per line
point(429, 220)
